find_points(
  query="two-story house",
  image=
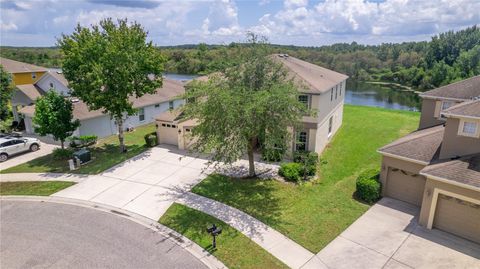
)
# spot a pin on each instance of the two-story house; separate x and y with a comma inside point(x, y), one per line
point(23, 77)
point(321, 90)
point(437, 167)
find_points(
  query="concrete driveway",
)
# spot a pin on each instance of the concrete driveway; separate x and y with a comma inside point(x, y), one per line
point(388, 236)
point(146, 184)
point(52, 235)
point(28, 156)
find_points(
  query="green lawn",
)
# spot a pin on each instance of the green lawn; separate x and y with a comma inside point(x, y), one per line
point(106, 154)
point(233, 248)
point(315, 213)
point(40, 188)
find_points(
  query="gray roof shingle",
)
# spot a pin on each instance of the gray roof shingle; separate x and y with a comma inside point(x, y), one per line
point(469, 109)
point(465, 170)
point(423, 145)
point(466, 89)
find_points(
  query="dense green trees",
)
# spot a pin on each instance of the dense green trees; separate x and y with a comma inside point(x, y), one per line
point(54, 115)
point(6, 89)
point(424, 65)
point(108, 64)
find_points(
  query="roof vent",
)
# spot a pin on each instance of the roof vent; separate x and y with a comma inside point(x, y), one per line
point(74, 100)
point(59, 72)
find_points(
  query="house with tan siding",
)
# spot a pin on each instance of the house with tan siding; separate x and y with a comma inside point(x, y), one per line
point(321, 90)
point(437, 167)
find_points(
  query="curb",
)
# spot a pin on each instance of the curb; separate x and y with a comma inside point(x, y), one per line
point(15, 177)
point(198, 252)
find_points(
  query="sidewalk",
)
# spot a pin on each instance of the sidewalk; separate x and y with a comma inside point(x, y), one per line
point(280, 246)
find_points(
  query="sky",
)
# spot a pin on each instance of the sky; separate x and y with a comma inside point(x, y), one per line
point(289, 22)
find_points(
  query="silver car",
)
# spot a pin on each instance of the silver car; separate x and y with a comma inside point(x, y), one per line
point(14, 145)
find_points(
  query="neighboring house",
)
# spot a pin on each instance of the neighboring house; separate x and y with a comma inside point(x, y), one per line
point(321, 90)
point(95, 122)
point(438, 166)
point(24, 77)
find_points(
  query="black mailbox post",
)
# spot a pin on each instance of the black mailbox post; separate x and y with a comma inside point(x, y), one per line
point(214, 231)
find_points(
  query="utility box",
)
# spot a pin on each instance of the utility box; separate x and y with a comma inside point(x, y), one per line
point(83, 155)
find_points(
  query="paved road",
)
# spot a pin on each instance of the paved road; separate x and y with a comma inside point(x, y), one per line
point(41, 235)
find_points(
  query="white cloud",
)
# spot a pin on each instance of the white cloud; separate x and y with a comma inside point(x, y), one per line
point(222, 19)
point(8, 26)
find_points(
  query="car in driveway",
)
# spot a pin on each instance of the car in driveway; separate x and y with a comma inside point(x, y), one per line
point(10, 146)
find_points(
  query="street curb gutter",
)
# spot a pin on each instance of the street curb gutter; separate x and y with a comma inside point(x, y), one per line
point(198, 252)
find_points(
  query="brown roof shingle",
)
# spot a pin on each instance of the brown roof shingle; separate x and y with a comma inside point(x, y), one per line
point(30, 90)
point(423, 145)
point(464, 170)
point(12, 66)
point(466, 89)
point(469, 109)
point(317, 79)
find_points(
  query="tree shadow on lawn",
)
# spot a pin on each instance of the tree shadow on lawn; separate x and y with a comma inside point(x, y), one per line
point(255, 197)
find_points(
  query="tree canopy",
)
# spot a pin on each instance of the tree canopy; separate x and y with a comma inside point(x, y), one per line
point(5, 93)
point(108, 64)
point(247, 104)
point(54, 115)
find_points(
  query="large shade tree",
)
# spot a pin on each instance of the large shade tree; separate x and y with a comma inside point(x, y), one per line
point(254, 101)
point(108, 64)
point(54, 116)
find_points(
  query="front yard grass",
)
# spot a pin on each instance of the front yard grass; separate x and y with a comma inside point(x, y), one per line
point(106, 154)
point(233, 248)
point(314, 213)
point(40, 188)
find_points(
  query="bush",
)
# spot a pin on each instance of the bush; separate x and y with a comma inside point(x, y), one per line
point(83, 141)
point(273, 155)
point(368, 186)
point(151, 139)
point(308, 160)
point(291, 171)
point(62, 154)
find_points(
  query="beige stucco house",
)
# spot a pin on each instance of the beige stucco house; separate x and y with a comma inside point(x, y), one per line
point(437, 167)
point(321, 90)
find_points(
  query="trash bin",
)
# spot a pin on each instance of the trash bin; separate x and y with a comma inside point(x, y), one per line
point(83, 155)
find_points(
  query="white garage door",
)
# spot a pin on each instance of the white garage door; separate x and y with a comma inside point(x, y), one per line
point(168, 134)
point(458, 217)
point(405, 186)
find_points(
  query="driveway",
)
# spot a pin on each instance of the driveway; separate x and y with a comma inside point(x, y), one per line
point(28, 156)
point(146, 184)
point(388, 236)
point(41, 235)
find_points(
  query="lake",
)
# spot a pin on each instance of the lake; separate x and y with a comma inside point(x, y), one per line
point(364, 94)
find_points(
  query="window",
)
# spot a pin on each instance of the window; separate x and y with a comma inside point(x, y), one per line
point(187, 130)
point(164, 125)
point(170, 105)
point(157, 105)
point(34, 75)
point(341, 84)
point(331, 95)
point(168, 125)
point(330, 125)
point(301, 141)
point(336, 92)
point(447, 104)
point(51, 85)
point(468, 128)
point(174, 126)
point(141, 114)
point(304, 99)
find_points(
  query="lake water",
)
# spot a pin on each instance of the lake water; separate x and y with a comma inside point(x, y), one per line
point(364, 94)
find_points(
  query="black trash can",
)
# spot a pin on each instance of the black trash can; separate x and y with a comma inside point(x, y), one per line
point(83, 155)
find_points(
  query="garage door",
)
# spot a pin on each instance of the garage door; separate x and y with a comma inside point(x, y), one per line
point(168, 134)
point(405, 186)
point(458, 217)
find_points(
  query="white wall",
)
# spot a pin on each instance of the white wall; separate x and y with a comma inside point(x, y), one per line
point(44, 84)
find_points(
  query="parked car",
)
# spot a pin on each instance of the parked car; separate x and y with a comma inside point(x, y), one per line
point(13, 145)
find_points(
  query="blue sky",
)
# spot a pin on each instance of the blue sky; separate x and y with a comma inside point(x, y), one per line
point(297, 22)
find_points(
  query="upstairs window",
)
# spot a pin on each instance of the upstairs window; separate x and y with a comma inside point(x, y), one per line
point(330, 126)
point(304, 99)
point(331, 95)
point(51, 85)
point(34, 75)
point(170, 105)
point(141, 114)
point(447, 104)
point(157, 105)
point(340, 91)
point(336, 92)
point(469, 128)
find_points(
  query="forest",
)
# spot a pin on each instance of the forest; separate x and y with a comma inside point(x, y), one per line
point(446, 58)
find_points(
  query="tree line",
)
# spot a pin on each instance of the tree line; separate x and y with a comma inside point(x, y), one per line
point(446, 58)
